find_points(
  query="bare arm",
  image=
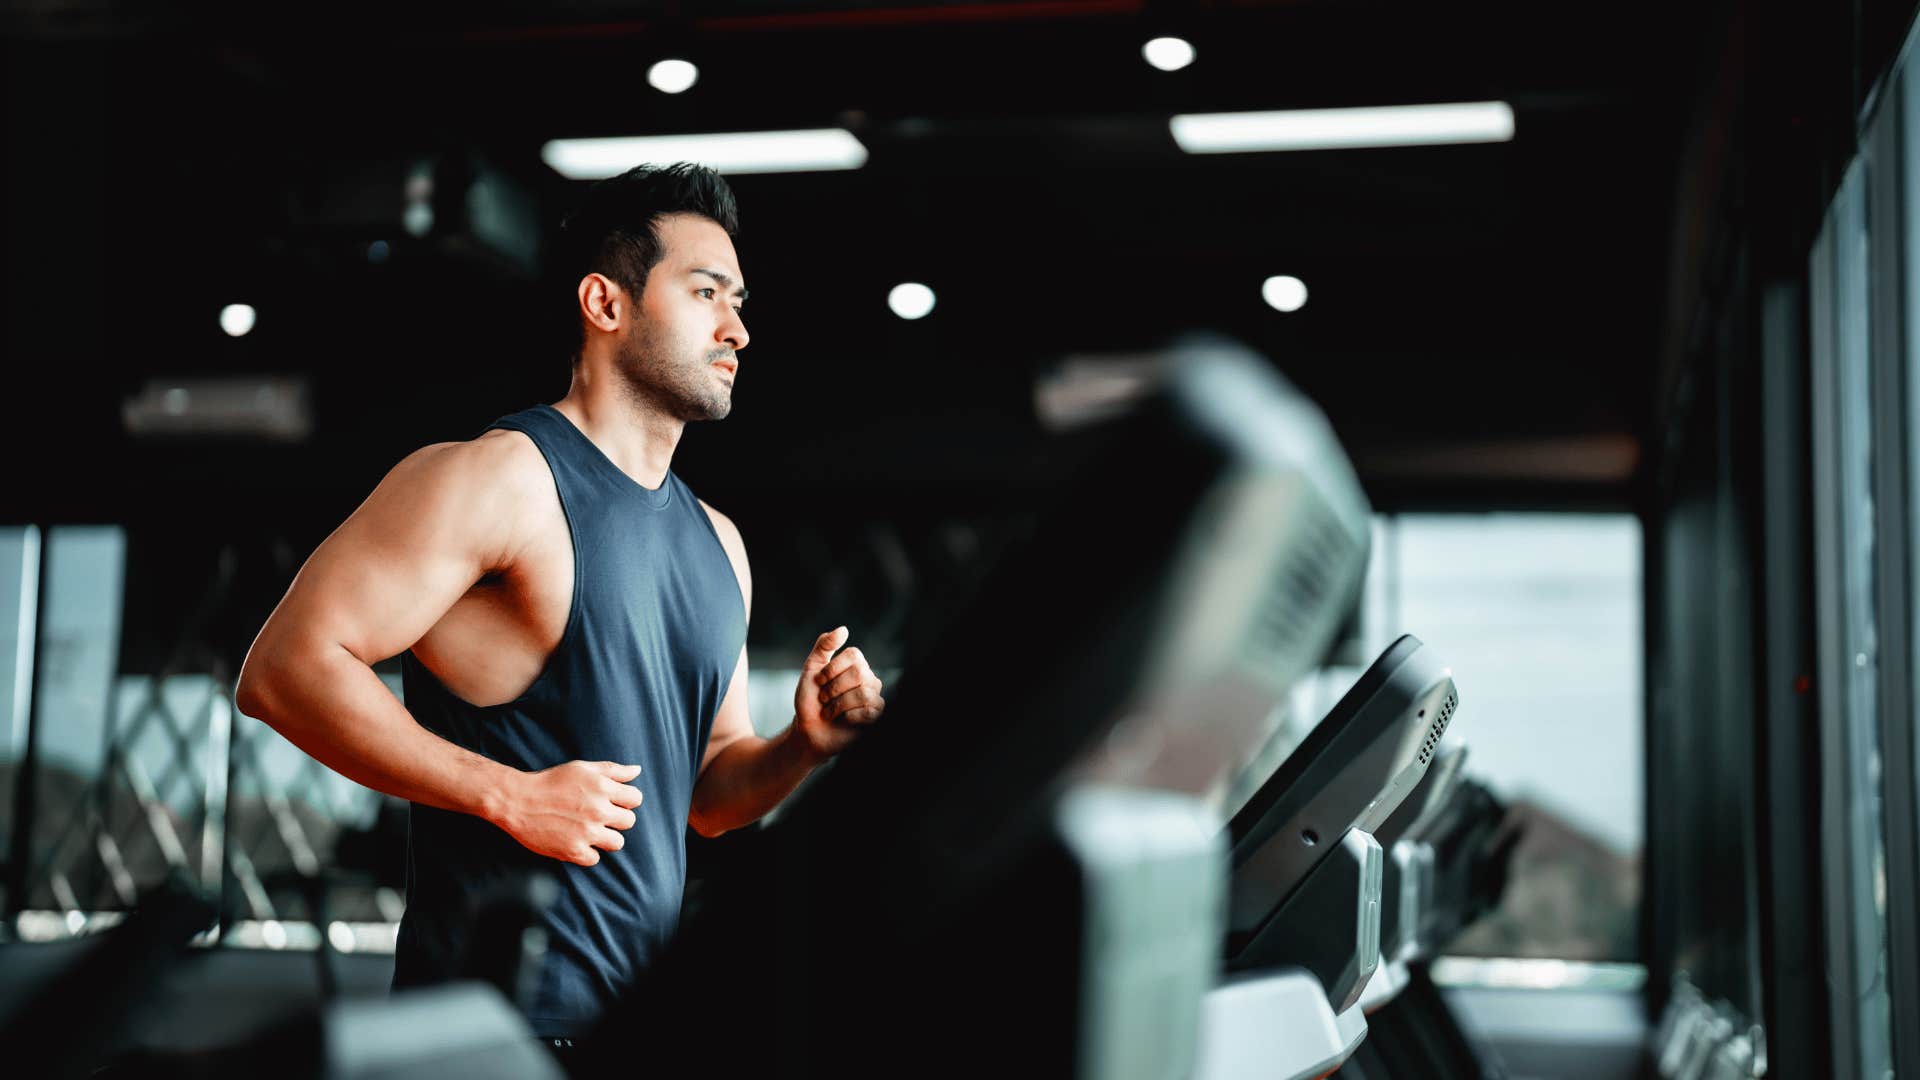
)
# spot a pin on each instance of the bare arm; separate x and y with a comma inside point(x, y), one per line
point(742, 776)
point(443, 517)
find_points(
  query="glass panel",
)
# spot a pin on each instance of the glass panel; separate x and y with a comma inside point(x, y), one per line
point(1909, 141)
point(79, 645)
point(79, 650)
point(1865, 845)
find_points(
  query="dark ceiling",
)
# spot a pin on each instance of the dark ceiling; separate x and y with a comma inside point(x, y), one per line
point(1482, 318)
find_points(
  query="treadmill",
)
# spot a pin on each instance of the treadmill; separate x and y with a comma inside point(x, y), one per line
point(1460, 849)
point(1028, 856)
point(1407, 883)
point(1303, 924)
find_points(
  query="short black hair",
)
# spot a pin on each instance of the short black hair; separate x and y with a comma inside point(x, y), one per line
point(614, 230)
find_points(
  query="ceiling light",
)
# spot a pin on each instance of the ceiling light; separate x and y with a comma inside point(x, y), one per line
point(1329, 129)
point(735, 153)
point(236, 319)
point(1284, 293)
point(672, 76)
point(1168, 53)
point(910, 300)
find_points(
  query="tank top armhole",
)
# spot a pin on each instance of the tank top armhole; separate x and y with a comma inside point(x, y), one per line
point(704, 730)
point(700, 511)
point(571, 630)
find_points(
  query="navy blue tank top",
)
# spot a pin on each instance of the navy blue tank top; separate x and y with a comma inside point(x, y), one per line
point(651, 641)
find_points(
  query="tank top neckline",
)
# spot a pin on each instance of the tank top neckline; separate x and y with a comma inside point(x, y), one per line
point(656, 498)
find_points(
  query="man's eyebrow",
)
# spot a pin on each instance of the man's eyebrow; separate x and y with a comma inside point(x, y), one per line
point(720, 277)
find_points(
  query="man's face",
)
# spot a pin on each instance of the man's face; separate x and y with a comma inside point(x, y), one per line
point(680, 349)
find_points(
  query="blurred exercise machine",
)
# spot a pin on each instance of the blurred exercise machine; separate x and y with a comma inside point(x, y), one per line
point(1453, 863)
point(1302, 901)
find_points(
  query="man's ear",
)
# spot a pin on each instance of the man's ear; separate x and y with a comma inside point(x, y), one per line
point(602, 303)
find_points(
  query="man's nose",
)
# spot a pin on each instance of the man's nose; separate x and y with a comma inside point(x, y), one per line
point(734, 333)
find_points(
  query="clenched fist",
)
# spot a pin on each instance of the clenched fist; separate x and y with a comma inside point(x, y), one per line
point(572, 811)
point(838, 696)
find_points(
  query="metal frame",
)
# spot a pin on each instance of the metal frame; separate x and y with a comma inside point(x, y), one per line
point(194, 847)
point(1792, 958)
point(1737, 640)
point(170, 770)
point(1658, 927)
point(20, 722)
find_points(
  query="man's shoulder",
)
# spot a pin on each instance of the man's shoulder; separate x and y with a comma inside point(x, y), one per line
point(495, 472)
point(496, 458)
point(510, 454)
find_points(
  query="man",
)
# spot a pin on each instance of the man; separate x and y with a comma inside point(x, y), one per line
point(573, 621)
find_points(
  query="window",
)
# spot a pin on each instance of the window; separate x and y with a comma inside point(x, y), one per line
point(1539, 617)
point(1849, 648)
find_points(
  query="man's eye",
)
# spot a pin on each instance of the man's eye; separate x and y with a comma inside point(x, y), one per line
point(708, 293)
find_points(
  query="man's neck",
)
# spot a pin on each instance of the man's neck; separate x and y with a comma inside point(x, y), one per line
point(638, 437)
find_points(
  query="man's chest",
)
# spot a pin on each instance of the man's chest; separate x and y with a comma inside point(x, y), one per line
point(634, 587)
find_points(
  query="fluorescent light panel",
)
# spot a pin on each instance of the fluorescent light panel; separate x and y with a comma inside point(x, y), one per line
point(1333, 129)
point(736, 153)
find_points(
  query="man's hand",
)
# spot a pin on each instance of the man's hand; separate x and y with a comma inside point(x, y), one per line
point(572, 811)
point(838, 696)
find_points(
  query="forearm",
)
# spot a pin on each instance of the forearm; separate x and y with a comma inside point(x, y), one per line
point(748, 778)
point(331, 705)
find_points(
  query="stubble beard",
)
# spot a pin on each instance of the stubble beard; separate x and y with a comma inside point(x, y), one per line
point(686, 390)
